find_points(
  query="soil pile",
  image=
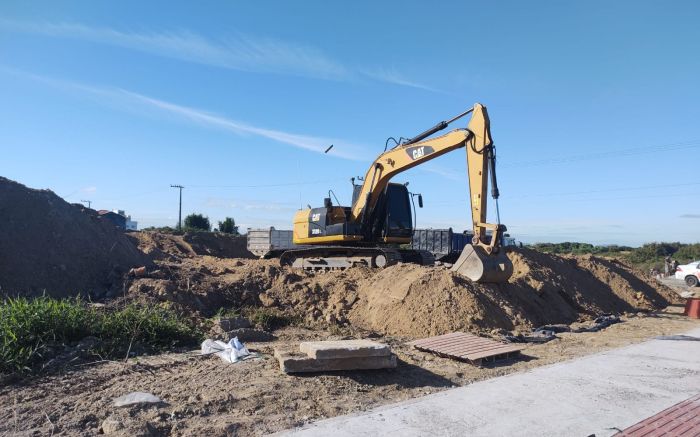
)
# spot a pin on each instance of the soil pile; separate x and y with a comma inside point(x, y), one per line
point(48, 245)
point(163, 246)
point(411, 300)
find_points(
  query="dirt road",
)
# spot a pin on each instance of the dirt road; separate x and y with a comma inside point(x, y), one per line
point(207, 397)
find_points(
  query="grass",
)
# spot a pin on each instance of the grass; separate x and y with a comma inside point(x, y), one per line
point(271, 318)
point(33, 330)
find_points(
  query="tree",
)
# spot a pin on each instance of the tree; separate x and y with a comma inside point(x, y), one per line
point(197, 222)
point(228, 226)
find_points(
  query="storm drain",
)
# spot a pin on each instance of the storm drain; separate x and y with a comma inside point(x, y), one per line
point(682, 419)
point(467, 347)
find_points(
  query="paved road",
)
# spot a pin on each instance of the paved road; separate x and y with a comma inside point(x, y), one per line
point(597, 394)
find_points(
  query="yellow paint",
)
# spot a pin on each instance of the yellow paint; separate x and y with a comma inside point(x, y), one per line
point(326, 239)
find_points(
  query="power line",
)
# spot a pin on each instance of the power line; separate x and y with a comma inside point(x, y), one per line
point(610, 190)
point(572, 193)
point(286, 184)
point(632, 151)
point(89, 203)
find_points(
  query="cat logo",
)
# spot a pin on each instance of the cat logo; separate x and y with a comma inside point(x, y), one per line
point(419, 152)
point(316, 217)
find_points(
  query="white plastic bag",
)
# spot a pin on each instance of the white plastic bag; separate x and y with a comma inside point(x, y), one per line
point(230, 352)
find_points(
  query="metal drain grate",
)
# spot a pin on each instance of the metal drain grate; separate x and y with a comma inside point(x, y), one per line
point(463, 346)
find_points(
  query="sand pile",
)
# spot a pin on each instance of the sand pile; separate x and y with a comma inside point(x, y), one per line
point(411, 300)
point(48, 245)
point(161, 246)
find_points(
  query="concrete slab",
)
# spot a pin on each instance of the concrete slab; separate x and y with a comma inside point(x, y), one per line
point(295, 362)
point(344, 349)
point(599, 394)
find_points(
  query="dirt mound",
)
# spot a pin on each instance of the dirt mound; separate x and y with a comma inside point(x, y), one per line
point(48, 245)
point(411, 300)
point(162, 246)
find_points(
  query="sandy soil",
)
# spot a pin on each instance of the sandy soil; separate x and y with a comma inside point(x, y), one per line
point(205, 396)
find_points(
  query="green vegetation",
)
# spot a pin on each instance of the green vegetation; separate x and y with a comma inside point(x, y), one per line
point(578, 248)
point(33, 331)
point(650, 255)
point(270, 318)
point(197, 222)
point(228, 226)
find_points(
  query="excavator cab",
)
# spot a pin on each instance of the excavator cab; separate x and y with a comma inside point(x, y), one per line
point(390, 222)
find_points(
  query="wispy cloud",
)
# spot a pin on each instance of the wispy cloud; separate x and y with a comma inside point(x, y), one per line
point(391, 75)
point(237, 52)
point(89, 190)
point(690, 216)
point(446, 173)
point(135, 102)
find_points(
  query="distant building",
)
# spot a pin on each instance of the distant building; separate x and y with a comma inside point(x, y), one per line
point(130, 225)
point(117, 219)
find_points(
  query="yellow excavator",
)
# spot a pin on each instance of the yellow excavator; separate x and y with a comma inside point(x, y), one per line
point(372, 230)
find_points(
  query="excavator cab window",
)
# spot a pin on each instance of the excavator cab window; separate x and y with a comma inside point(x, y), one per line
point(399, 220)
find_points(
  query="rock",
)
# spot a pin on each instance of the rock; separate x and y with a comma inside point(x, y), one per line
point(138, 272)
point(249, 334)
point(111, 426)
point(135, 398)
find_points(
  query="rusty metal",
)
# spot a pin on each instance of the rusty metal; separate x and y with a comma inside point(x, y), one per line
point(682, 419)
point(467, 347)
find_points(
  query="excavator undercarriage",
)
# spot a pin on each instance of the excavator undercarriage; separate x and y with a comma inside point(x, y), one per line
point(343, 257)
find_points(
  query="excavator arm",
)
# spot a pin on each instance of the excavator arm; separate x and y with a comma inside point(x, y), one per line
point(476, 139)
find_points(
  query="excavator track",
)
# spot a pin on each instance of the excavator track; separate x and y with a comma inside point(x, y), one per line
point(342, 257)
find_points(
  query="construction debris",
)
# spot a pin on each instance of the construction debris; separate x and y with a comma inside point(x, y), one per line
point(325, 356)
point(539, 335)
point(230, 352)
point(467, 347)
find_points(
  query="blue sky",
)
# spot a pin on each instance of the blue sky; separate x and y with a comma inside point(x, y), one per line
point(594, 107)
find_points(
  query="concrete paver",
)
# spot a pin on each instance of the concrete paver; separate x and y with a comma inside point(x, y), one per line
point(344, 349)
point(599, 394)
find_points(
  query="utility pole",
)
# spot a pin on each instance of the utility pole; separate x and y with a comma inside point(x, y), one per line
point(179, 215)
point(89, 202)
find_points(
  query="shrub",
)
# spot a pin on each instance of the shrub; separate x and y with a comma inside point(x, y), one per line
point(197, 222)
point(228, 226)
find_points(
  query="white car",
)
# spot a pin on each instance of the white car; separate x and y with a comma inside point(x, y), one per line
point(690, 273)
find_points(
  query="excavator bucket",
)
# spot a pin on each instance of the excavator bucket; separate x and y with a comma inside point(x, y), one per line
point(475, 264)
